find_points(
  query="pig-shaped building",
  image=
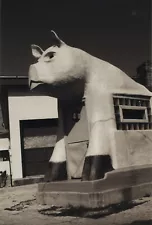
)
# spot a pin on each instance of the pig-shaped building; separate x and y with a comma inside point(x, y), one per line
point(105, 118)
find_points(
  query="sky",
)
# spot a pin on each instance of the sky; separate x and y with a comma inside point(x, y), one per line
point(114, 30)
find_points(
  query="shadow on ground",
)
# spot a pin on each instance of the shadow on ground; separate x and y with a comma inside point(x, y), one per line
point(90, 213)
point(141, 222)
point(22, 205)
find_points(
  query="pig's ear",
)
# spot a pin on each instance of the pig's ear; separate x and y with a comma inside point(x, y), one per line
point(56, 40)
point(36, 51)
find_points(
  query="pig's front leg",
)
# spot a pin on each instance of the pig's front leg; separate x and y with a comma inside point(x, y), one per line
point(98, 160)
point(57, 170)
point(57, 165)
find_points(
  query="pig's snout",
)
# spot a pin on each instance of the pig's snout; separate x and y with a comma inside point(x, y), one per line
point(33, 77)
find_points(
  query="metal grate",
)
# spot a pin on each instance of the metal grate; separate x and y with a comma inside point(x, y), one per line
point(132, 112)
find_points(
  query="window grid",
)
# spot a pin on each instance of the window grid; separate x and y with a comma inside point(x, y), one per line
point(131, 101)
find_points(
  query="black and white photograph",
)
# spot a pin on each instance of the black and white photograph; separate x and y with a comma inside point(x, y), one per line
point(76, 112)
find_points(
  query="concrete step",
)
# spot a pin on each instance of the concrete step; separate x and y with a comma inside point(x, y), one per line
point(117, 186)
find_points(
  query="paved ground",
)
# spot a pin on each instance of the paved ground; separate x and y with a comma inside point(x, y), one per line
point(18, 206)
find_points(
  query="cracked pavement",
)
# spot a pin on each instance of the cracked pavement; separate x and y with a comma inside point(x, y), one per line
point(18, 206)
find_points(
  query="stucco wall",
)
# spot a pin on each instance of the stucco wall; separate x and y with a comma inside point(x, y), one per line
point(24, 108)
point(131, 147)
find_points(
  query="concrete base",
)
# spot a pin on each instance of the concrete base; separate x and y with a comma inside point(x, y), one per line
point(118, 186)
point(28, 180)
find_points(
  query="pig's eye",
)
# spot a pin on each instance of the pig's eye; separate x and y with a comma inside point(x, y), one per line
point(49, 56)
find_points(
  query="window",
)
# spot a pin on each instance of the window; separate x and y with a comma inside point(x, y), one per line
point(132, 112)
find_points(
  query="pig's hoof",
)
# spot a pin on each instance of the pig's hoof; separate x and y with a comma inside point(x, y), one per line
point(56, 172)
point(95, 167)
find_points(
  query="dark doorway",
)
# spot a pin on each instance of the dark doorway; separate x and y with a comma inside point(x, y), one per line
point(38, 138)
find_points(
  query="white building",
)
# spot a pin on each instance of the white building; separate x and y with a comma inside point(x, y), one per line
point(30, 122)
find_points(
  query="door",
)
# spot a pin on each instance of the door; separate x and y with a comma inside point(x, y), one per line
point(38, 138)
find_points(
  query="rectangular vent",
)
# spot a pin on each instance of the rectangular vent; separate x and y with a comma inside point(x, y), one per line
point(132, 112)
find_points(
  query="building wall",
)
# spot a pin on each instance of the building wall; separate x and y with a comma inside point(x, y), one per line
point(4, 146)
point(23, 107)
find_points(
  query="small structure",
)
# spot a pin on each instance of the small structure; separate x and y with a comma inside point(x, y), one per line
point(4, 152)
point(29, 132)
point(113, 156)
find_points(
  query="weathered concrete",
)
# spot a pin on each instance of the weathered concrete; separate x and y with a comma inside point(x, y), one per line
point(117, 186)
point(18, 206)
